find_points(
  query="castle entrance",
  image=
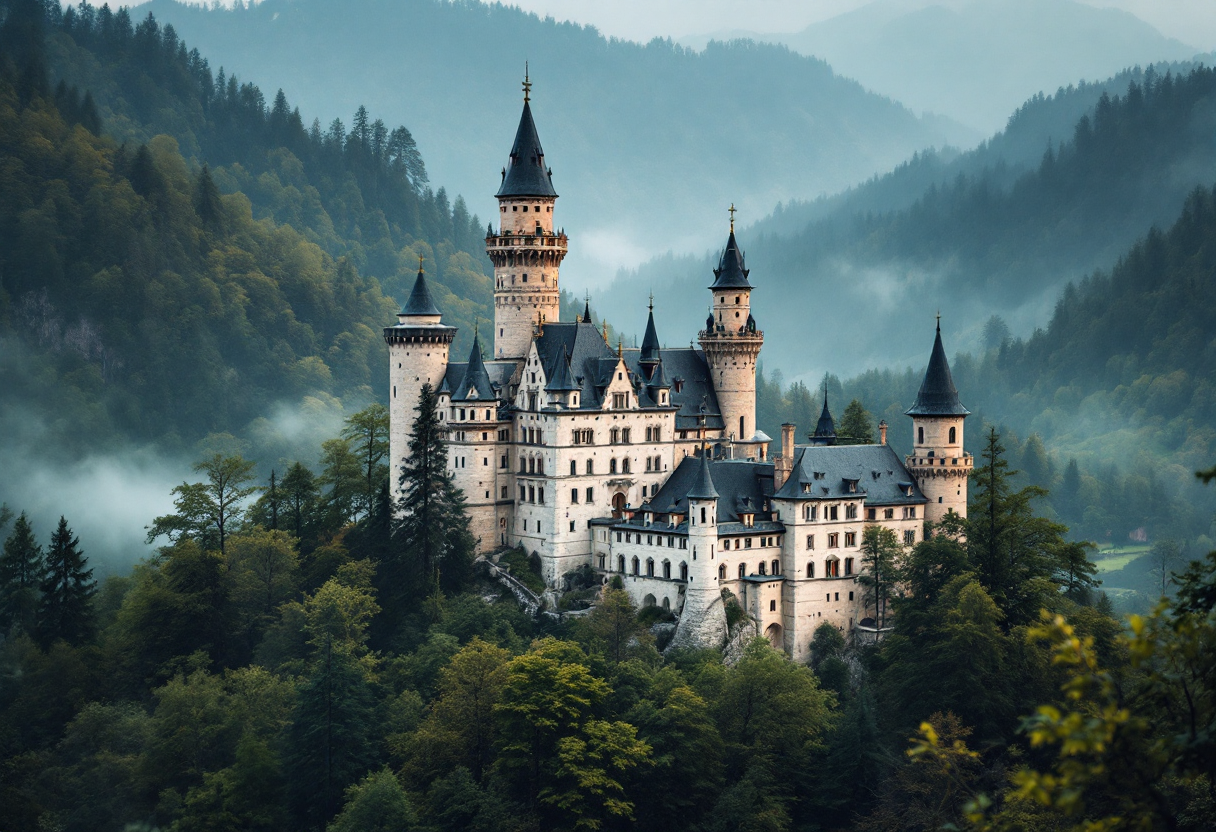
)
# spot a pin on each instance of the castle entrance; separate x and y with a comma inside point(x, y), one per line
point(618, 505)
point(773, 634)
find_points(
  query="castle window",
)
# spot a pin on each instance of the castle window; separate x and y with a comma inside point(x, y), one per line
point(625, 466)
point(702, 515)
point(574, 495)
point(523, 465)
point(953, 435)
point(909, 537)
point(514, 207)
point(832, 513)
point(612, 466)
point(850, 511)
point(531, 466)
point(742, 570)
point(650, 567)
point(620, 561)
point(503, 496)
point(618, 401)
point(625, 435)
point(831, 568)
point(618, 537)
point(531, 494)
point(649, 464)
point(772, 605)
point(541, 495)
point(850, 539)
point(590, 466)
point(810, 569)
point(848, 566)
point(726, 545)
point(833, 541)
point(722, 572)
point(667, 569)
point(810, 541)
point(871, 514)
point(763, 568)
point(573, 468)
point(747, 543)
point(635, 565)
point(888, 514)
point(920, 436)
point(776, 567)
point(523, 493)
point(614, 436)
point(683, 571)
point(590, 495)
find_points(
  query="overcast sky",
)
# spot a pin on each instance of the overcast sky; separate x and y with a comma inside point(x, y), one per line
point(1191, 21)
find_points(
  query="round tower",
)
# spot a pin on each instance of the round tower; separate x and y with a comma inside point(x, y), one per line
point(418, 347)
point(703, 618)
point(938, 462)
point(732, 343)
point(526, 251)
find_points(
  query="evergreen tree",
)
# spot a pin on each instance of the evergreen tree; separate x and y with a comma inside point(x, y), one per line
point(367, 431)
point(857, 425)
point(342, 475)
point(879, 550)
point(207, 200)
point(300, 493)
point(65, 610)
point(21, 572)
point(433, 529)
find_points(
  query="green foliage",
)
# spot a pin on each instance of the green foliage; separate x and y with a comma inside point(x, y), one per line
point(523, 569)
point(377, 804)
point(857, 425)
point(21, 573)
point(65, 608)
point(207, 511)
point(614, 630)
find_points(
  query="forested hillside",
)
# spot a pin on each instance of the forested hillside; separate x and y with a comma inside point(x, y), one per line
point(649, 144)
point(1120, 381)
point(872, 279)
point(180, 255)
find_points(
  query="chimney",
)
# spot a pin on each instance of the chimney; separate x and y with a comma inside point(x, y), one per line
point(882, 432)
point(784, 464)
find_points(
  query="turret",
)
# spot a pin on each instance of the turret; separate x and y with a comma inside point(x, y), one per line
point(703, 618)
point(526, 251)
point(825, 428)
point(418, 347)
point(648, 359)
point(732, 343)
point(938, 461)
point(562, 389)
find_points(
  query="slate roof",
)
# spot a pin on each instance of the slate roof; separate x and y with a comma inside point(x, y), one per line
point(880, 475)
point(561, 380)
point(650, 341)
point(825, 430)
point(731, 273)
point(526, 174)
point(738, 483)
point(475, 384)
point(687, 367)
point(702, 487)
point(938, 396)
point(420, 301)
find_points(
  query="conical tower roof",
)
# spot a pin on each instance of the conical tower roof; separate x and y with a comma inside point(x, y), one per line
point(476, 381)
point(587, 311)
point(658, 379)
point(563, 378)
point(825, 430)
point(650, 341)
point(731, 273)
point(703, 484)
point(526, 174)
point(420, 301)
point(938, 396)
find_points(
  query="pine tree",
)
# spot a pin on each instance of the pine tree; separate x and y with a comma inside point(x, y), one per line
point(21, 569)
point(433, 527)
point(300, 490)
point(207, 200)
point(65, 610)
point(857, 424)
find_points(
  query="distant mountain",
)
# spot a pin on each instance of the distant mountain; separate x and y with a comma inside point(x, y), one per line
point(649, 144)
point(976, 60)
point(857, 287)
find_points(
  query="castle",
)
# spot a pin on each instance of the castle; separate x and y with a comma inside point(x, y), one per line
point(647, 463)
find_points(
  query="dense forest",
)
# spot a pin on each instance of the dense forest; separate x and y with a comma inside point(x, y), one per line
point(182, 255)
point(294, 657)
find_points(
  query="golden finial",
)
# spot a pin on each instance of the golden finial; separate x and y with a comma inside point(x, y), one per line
point(420, 259)
point(604, 321)
point(542, 324)
point(527, 84)
point(732, 218)
point(939, 320)
point(618, 346)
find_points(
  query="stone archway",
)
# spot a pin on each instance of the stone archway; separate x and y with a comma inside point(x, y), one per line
point(618, 505)
point(648, 601)
point(774, 635)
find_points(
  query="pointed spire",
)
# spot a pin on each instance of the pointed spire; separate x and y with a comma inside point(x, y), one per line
point(650, 341)
point(731, 272)
point(938, 396)
point(526, 175)
point(420, 301)
point(587, 308)
point(703, 484)
point(563, 376)
point(825, 430)
point(476, 381)
point(658, 378)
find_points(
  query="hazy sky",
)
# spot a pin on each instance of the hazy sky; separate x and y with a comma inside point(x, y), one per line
point(1191, 21)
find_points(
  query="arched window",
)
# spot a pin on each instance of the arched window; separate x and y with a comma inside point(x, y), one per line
point(683, 571)
point(573, 468)
point(776, 567)
point(612, 466)
point(573, 495)
point(620, 564)
point(763, 568)
point(667, 569)
point(625, 465)
point(702, 515)
point(722, 572)
point(953, 435)
point(920, 436)
point(650, 567)
point(590, 466)
point(635, 565)
point(743, 570)
point(810, 569)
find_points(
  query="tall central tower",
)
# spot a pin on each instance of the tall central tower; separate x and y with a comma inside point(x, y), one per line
point(732, 344)
point(526, 251)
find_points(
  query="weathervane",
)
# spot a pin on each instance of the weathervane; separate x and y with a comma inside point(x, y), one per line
point(420, 259)
point(651, 306)
point(732, 218)
point(527, 83)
